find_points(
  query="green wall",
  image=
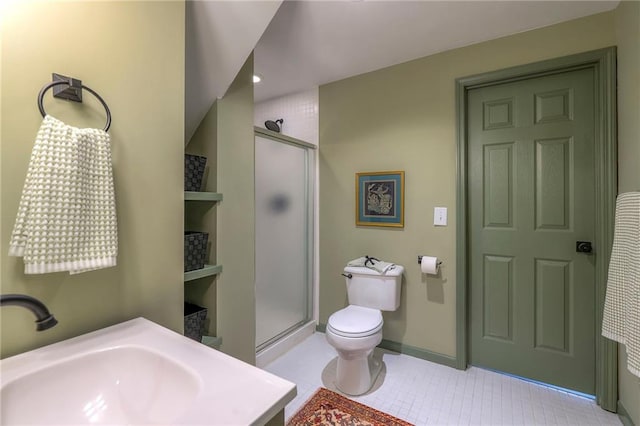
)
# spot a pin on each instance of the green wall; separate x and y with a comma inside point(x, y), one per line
point(132, 53)
point(403, 118)
point(628, 39)
point(236, 318)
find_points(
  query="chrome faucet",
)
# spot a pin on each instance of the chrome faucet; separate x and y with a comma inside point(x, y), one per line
point(44, 319)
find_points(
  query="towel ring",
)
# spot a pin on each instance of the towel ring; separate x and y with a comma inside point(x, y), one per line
point(55, 83)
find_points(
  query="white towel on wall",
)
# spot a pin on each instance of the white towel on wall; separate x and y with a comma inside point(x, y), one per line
point(621, 318)
point(66, 219)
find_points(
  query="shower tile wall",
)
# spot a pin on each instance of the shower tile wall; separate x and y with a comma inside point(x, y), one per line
point(299, 111)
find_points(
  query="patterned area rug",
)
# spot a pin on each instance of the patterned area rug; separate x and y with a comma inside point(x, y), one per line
point(328, 408)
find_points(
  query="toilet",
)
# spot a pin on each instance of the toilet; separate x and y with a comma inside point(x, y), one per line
point(355, 330)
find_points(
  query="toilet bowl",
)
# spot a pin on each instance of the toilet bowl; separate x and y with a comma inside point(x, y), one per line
point(354, 332)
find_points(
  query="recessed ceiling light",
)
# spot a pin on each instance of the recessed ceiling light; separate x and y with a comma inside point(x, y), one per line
point(256, 78)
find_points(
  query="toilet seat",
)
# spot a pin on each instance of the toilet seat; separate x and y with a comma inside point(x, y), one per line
point(355, 321)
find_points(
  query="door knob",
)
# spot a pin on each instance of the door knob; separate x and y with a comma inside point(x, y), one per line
point(584, 247)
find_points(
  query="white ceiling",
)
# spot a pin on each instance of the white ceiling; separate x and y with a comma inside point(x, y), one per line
point(309, 43)
point(220, 36)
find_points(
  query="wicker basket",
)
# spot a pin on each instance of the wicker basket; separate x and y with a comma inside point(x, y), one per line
point(195, 250)
point(194, 317)
point(193, 172)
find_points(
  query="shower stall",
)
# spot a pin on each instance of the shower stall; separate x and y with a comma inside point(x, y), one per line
point(284, 171)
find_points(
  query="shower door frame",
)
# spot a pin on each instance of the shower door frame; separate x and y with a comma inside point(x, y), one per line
point(310, 161)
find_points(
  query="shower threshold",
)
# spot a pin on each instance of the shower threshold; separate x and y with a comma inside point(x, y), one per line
point(269, 351)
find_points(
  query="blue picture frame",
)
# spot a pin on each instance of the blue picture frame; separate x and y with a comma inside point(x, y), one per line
point(380, 199)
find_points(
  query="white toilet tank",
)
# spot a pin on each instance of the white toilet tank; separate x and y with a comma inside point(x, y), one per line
point(370, 289)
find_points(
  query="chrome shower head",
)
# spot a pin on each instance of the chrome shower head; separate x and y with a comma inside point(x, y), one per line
point(273, 125)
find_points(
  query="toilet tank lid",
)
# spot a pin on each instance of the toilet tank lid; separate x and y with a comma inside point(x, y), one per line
point(395, 272)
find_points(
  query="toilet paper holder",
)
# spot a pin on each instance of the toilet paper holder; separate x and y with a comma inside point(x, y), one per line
point(420, 261)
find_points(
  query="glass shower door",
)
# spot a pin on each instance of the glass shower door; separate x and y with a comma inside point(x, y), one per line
point(283, 237)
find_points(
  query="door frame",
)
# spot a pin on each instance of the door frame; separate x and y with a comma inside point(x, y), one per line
point(603, 63)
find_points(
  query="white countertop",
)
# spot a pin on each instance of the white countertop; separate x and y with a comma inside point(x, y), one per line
point(227, 391)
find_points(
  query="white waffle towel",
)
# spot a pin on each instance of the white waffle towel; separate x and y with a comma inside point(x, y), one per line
point(621, 319)
point(67, 214)
point(372, 263)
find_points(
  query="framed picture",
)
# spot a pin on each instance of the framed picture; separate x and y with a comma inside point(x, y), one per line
point(380, 199)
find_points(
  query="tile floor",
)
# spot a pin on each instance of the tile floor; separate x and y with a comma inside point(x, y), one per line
point(425, 393)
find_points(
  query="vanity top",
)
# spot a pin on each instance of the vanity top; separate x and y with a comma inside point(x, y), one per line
point(137, 372)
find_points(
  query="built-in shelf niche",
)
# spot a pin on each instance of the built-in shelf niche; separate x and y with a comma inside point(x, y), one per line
point(207, 271)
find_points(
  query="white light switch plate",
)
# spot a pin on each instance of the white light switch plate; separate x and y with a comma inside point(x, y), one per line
point(440, 216)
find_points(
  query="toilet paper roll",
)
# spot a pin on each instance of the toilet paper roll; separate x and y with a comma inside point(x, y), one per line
point(430, 265)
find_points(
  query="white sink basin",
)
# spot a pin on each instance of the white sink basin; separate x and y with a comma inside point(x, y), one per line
point(125, 384)
point(136, 372)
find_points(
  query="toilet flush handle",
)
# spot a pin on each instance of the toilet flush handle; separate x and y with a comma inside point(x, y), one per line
point(347, 275)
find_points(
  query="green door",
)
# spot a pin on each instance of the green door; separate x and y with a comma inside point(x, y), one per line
point(531, 198)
